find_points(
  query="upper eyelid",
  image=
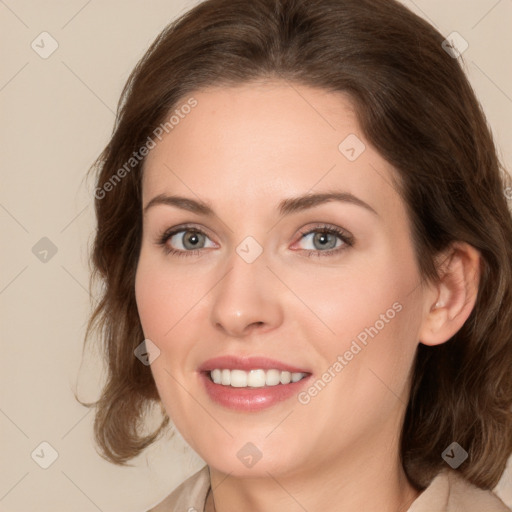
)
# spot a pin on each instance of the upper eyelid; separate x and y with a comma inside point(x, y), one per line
point(178, 229)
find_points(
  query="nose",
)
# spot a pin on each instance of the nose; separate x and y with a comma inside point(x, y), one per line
point(246, 299)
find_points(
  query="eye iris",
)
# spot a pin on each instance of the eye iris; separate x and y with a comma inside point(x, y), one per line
point(191, 237)
point(322, 238)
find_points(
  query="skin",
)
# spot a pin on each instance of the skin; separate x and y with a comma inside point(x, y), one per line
point(243, 150)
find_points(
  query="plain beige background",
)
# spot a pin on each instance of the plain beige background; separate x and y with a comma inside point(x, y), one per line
point(57, 115)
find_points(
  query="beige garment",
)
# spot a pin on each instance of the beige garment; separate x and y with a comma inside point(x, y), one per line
point(448, 492)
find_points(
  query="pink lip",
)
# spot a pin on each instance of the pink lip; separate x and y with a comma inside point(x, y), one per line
point(247, 363)
point(249, 399)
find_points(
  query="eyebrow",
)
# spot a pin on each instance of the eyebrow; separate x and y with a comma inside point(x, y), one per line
point(286, 207)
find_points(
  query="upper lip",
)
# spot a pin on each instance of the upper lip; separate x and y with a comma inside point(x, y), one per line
point(232, 362)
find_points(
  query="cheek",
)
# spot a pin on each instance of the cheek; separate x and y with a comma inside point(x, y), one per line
point(356, 300)
point(373, 312)
point(150, 300)
point(168, 302)
point(160, 303)
point(161, 297)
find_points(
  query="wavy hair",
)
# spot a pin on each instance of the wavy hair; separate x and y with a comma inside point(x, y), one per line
point(416, 106)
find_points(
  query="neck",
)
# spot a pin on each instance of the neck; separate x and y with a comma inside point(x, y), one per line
point(371, 483)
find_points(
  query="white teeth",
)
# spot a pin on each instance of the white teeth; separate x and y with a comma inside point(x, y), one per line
point(286, 377)
point(273, 378)
point(216, 376)
point(254, 378)
point(238, 379)
point(297, 376)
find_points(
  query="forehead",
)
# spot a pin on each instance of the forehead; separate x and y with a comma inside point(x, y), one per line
point(266, 141)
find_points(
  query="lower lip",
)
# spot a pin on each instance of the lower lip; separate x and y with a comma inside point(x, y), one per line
point(250, 399)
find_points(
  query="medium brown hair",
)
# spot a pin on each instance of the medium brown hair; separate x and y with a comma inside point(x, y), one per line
point(415, 105)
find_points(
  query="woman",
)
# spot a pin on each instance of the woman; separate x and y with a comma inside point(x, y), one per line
point(306, 248)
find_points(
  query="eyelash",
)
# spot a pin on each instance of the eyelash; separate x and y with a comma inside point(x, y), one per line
point(325, 229)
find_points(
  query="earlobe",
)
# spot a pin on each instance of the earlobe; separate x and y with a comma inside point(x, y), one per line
point(449, 303)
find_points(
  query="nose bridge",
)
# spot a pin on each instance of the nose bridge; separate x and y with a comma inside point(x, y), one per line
point(246, 296)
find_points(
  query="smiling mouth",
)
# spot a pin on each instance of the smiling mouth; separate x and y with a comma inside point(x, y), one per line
point(257, 378)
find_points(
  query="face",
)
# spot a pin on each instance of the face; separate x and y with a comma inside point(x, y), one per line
point(241, 282)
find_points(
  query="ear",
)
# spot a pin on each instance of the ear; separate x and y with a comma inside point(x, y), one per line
point(449, 302)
